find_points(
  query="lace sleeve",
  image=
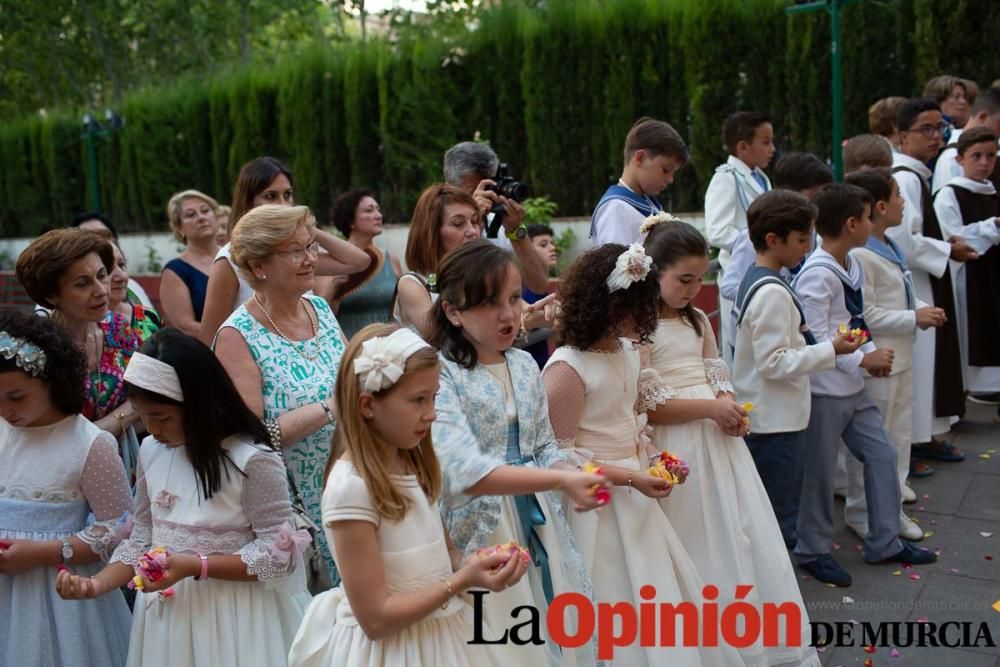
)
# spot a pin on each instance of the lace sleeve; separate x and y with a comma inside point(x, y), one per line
point(716, 370)
point(275, 555)
point(652, 391)
point(140, 530)
point(566, 396)
point(105, 487)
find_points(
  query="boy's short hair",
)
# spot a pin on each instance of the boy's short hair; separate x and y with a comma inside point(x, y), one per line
point(976, 135)
point(867, 150)
point(836, 204)
point(911, 109)
point(656, 137)
point(538, 229)
point(778, 212)
point(883, 114)
point(940, 87)
point(988, 101)
point(800, 171)
point(876, 182)
point(741, 126)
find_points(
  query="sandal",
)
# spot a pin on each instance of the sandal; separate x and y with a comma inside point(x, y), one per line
point(920, 469)
point(937, 450)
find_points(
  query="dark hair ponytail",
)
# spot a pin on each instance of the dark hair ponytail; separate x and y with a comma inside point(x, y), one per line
point(669, 242)
point(212, 409)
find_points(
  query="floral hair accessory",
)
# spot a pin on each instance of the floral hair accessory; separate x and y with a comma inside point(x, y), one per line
point(383, 359)
point(655, 219)
point(632, 266)
point(153, 375)
point(29, 357)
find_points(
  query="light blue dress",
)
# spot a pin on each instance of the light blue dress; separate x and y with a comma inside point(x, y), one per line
point(295, 374)
point(52, 479)
point(473, 436)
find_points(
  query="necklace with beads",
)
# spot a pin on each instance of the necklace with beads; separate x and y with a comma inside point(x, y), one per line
point(312, 323)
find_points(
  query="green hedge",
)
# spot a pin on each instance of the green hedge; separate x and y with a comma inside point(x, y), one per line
point(554, 90)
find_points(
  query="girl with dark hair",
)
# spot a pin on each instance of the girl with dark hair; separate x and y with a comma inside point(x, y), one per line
point(723, 509)
point(264, 180)
point(212, 491)
point(491, 411)
point(56, 469)
point(597, 401)
point(363, 298)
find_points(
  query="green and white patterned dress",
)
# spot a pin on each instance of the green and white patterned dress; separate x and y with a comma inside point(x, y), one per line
point(295, 374)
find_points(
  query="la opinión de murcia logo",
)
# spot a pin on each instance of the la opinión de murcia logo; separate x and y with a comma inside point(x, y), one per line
point(738, 624)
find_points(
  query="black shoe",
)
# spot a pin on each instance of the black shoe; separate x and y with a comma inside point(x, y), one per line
point(985, 399)
point(908, 554)
point(827, 571)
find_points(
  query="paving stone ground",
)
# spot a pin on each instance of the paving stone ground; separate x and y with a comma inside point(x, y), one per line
point(957, 504)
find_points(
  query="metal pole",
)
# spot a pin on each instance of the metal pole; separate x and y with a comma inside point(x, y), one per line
point(838, 91)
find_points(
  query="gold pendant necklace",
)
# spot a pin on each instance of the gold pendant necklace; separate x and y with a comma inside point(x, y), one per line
point(312, 323)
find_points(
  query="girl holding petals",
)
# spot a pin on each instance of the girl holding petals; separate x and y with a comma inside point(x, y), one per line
point(723, 511)
point(398, 601)
point(597, 400)
point(492, 411)
point(56, 469)
point(230, 587)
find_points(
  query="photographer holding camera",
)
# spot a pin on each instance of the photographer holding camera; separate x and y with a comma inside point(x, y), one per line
point(475, 168)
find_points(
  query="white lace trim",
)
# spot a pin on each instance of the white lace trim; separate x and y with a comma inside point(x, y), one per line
point(129, 551)
point(199, 540)
point(652, 391)
point(717, 374)
point(273, 574)
point(103, 537)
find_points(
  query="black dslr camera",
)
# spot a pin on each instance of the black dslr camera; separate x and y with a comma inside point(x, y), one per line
point(505, 186)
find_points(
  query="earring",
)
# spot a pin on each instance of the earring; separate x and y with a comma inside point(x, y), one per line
point(262, 276)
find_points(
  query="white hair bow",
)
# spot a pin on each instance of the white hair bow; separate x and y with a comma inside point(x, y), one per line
point(383, 359)
point(632, 266)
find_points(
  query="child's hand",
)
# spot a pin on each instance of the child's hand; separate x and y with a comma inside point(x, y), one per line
point(179, 566)
point(929, 316)
point(845, 343)
point(650, 486)
point(483, 573)
point(541, 313)
point(23, 555)
point(728, 414)
point(579, 487)
point(71, 586)
point(879, 362)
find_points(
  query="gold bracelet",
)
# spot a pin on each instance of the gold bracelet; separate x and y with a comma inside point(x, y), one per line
point(451, 593)
point(121, 421)
point(630, 481)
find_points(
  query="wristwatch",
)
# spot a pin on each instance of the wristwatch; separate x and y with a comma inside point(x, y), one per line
point(67, 552)
point(520, 232)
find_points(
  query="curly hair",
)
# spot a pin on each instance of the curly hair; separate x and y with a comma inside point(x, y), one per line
point(41, 265)
point(62, 354)
point(590, 312)
point(345, 208)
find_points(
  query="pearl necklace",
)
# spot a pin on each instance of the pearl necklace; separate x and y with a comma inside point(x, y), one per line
point(312, 323)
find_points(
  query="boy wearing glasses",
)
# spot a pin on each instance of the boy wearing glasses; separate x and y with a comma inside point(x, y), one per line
point(938, 390)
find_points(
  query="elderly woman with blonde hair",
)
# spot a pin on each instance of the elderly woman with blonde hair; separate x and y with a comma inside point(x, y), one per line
point(184, 279)
point(283, 348)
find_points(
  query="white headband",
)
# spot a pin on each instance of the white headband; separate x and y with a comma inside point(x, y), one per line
point(655, 219)
point(383, 359)
point(153, 375)
point(632, 266)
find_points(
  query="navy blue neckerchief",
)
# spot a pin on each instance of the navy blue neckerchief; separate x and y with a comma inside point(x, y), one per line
point(645, 204)
point(755, 278)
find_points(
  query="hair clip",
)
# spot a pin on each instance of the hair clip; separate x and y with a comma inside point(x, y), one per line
point(29, 357)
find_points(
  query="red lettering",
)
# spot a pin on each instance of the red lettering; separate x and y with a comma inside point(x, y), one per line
point(555, 619)
point(607, 639)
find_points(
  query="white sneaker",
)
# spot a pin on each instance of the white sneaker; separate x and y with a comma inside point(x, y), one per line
point(909, 530)
point(860, 529)
point(909, 495)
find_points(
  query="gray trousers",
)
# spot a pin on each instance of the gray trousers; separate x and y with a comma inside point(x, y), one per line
point(857, 420)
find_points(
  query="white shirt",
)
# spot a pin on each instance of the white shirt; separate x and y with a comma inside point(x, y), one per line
point(245, 291)
point(946, 168)
point(729, 195)
point(980, 234)
point(822, 295)
point(922, 253)
point(617, 221)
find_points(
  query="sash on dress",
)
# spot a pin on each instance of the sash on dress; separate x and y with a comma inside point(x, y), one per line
point(529, 513)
